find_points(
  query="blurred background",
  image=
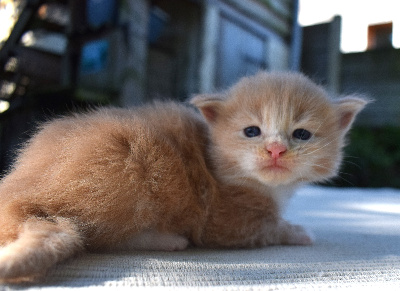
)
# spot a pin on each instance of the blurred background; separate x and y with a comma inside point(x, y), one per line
point(59, 56)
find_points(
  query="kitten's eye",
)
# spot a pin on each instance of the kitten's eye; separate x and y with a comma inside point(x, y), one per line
point(302, 134)
point(252, 131)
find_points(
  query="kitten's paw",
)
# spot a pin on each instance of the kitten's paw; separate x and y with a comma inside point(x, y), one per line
point(298, 235)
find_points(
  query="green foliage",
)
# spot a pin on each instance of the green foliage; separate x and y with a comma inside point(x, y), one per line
point(372, 158)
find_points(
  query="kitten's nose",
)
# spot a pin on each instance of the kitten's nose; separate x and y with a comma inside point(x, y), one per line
point(276, 149)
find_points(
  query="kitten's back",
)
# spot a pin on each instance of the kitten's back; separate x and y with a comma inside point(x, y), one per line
point(99, 167)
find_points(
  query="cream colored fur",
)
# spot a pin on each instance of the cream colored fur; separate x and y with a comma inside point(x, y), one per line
point(162, 176)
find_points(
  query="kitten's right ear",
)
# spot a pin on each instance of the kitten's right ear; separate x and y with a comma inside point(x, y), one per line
point(210, 105)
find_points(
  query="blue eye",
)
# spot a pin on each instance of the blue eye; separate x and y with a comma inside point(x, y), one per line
point(252, 131)
point(302, 134)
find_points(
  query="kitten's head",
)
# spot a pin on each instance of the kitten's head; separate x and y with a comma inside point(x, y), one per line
point(277, 128)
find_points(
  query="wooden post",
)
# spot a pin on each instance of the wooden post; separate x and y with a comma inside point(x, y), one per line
point(334, 56)
point(136, 14)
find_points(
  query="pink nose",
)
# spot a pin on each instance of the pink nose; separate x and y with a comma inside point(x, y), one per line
point(276, 149)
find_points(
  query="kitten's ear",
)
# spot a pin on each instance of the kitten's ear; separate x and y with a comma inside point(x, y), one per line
point(348, 108)
point(210, 105)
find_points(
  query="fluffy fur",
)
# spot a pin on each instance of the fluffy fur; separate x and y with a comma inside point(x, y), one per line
point(163, 176)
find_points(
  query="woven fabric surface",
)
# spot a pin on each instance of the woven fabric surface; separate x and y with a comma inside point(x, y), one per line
point(357, 245)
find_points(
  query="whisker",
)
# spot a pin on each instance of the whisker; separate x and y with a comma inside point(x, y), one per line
point(320, 148)
point(339, 172)
point(353, 157)
point(352, 163)
point(345, 180)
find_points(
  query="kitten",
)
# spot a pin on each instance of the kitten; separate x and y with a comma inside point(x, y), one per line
point(162, 176)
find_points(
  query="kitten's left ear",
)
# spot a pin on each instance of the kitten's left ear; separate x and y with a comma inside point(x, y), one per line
point(210, 105)
point(348, 108)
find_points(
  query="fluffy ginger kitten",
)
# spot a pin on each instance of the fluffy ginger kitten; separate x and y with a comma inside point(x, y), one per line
point(162, 176)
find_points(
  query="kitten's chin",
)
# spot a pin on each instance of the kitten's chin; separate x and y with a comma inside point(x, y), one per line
point(276, 175)
point(279, 175)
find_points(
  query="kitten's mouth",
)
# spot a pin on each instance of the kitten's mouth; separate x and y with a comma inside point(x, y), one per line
point(276, 168)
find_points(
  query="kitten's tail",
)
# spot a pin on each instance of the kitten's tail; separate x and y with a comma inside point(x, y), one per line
point(40, 244)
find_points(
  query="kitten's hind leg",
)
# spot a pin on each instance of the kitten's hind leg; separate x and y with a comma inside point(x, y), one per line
point(298, 235)
point(40, 244)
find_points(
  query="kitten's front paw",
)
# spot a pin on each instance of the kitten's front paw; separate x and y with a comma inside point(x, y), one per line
point(298, 235)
